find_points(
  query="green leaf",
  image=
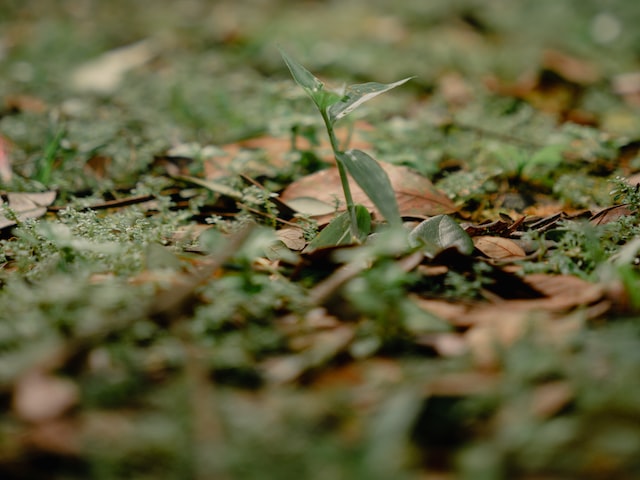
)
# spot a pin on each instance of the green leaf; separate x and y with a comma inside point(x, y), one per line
point(374, 181)
point(356, 95)
point(439, 233)
point(312, 85)
point(338, 232)
point(301, 75)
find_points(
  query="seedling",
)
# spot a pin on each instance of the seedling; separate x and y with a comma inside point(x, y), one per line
point(365, 170)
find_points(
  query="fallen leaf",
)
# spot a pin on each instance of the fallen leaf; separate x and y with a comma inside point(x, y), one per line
point(25, 103)
point(444, 344)
point(6, 173)
point(292, 237)
point(462, 384)
point(26, 205)
point(570, 68)
point(550, 398)
point(274, 152)
point(105, 73)
point(610, 214)
point(318, 349)
point(415, 194)
point(39, 397)
point(498, 248)
point(61, 436)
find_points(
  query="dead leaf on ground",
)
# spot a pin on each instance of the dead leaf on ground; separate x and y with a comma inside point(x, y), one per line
point(415, 194)
point(6, 173)
point(57, 437)
point(610, 214)
point(499, 328)
point(39, 397)
point(462, 384)
point(444, 344)
point(25, 205)
point(104, 73)
point(498, 248)
point(292, 237)
point(25, 103)
point(571, 68)
point(555, 87)
point(318, 349)
point(548, 399)
point(273, 153)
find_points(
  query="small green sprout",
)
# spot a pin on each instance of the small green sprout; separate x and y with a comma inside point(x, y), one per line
point(366, 171)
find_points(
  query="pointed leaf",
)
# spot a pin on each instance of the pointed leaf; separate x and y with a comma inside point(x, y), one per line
point(374, 181)
point(338, 232)
point(301, 75)
point(439, 233)
point(310, 83)
point(356, 95)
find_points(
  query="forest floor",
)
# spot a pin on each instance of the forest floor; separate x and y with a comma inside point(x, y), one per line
point(173, 306)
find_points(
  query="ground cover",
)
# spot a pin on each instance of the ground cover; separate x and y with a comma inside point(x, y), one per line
point(175, 305)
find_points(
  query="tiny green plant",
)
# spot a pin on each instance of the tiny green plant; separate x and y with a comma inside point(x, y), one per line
point(365, 170)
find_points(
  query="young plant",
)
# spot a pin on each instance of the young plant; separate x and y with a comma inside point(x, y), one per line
point(366, 171)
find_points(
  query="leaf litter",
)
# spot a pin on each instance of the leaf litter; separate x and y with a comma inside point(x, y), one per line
point(213, 326)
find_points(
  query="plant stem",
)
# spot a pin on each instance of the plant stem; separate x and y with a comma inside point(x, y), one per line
point(343, 175)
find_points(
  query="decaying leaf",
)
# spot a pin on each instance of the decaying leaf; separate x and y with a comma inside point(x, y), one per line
point(322, 347)
point(104, 73)
point(25, 205)
point(292, 237)
point(438, 234)
point(6, 172)
point(40, 397)
point(498, 248)
point(415, 194)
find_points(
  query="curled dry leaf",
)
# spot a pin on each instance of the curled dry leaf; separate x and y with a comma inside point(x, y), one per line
point(498, 248)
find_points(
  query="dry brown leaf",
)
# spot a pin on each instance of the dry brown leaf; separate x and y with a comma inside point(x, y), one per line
point(444, 344)
point(57, 437)
point(6, 173)
point(27, 205)
point(571, 68)
point(611, 214)
point(105, 73)
point(496, 330)
point(462, 384)
point(454, 313)
point(292, 237)
point(275, 150)
point(504, 322)
point(318, 349)
point(563, 291)
point(415, 194)
point(550, 398)
point(498, 248)
point(25, 103)
point(40, 397)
